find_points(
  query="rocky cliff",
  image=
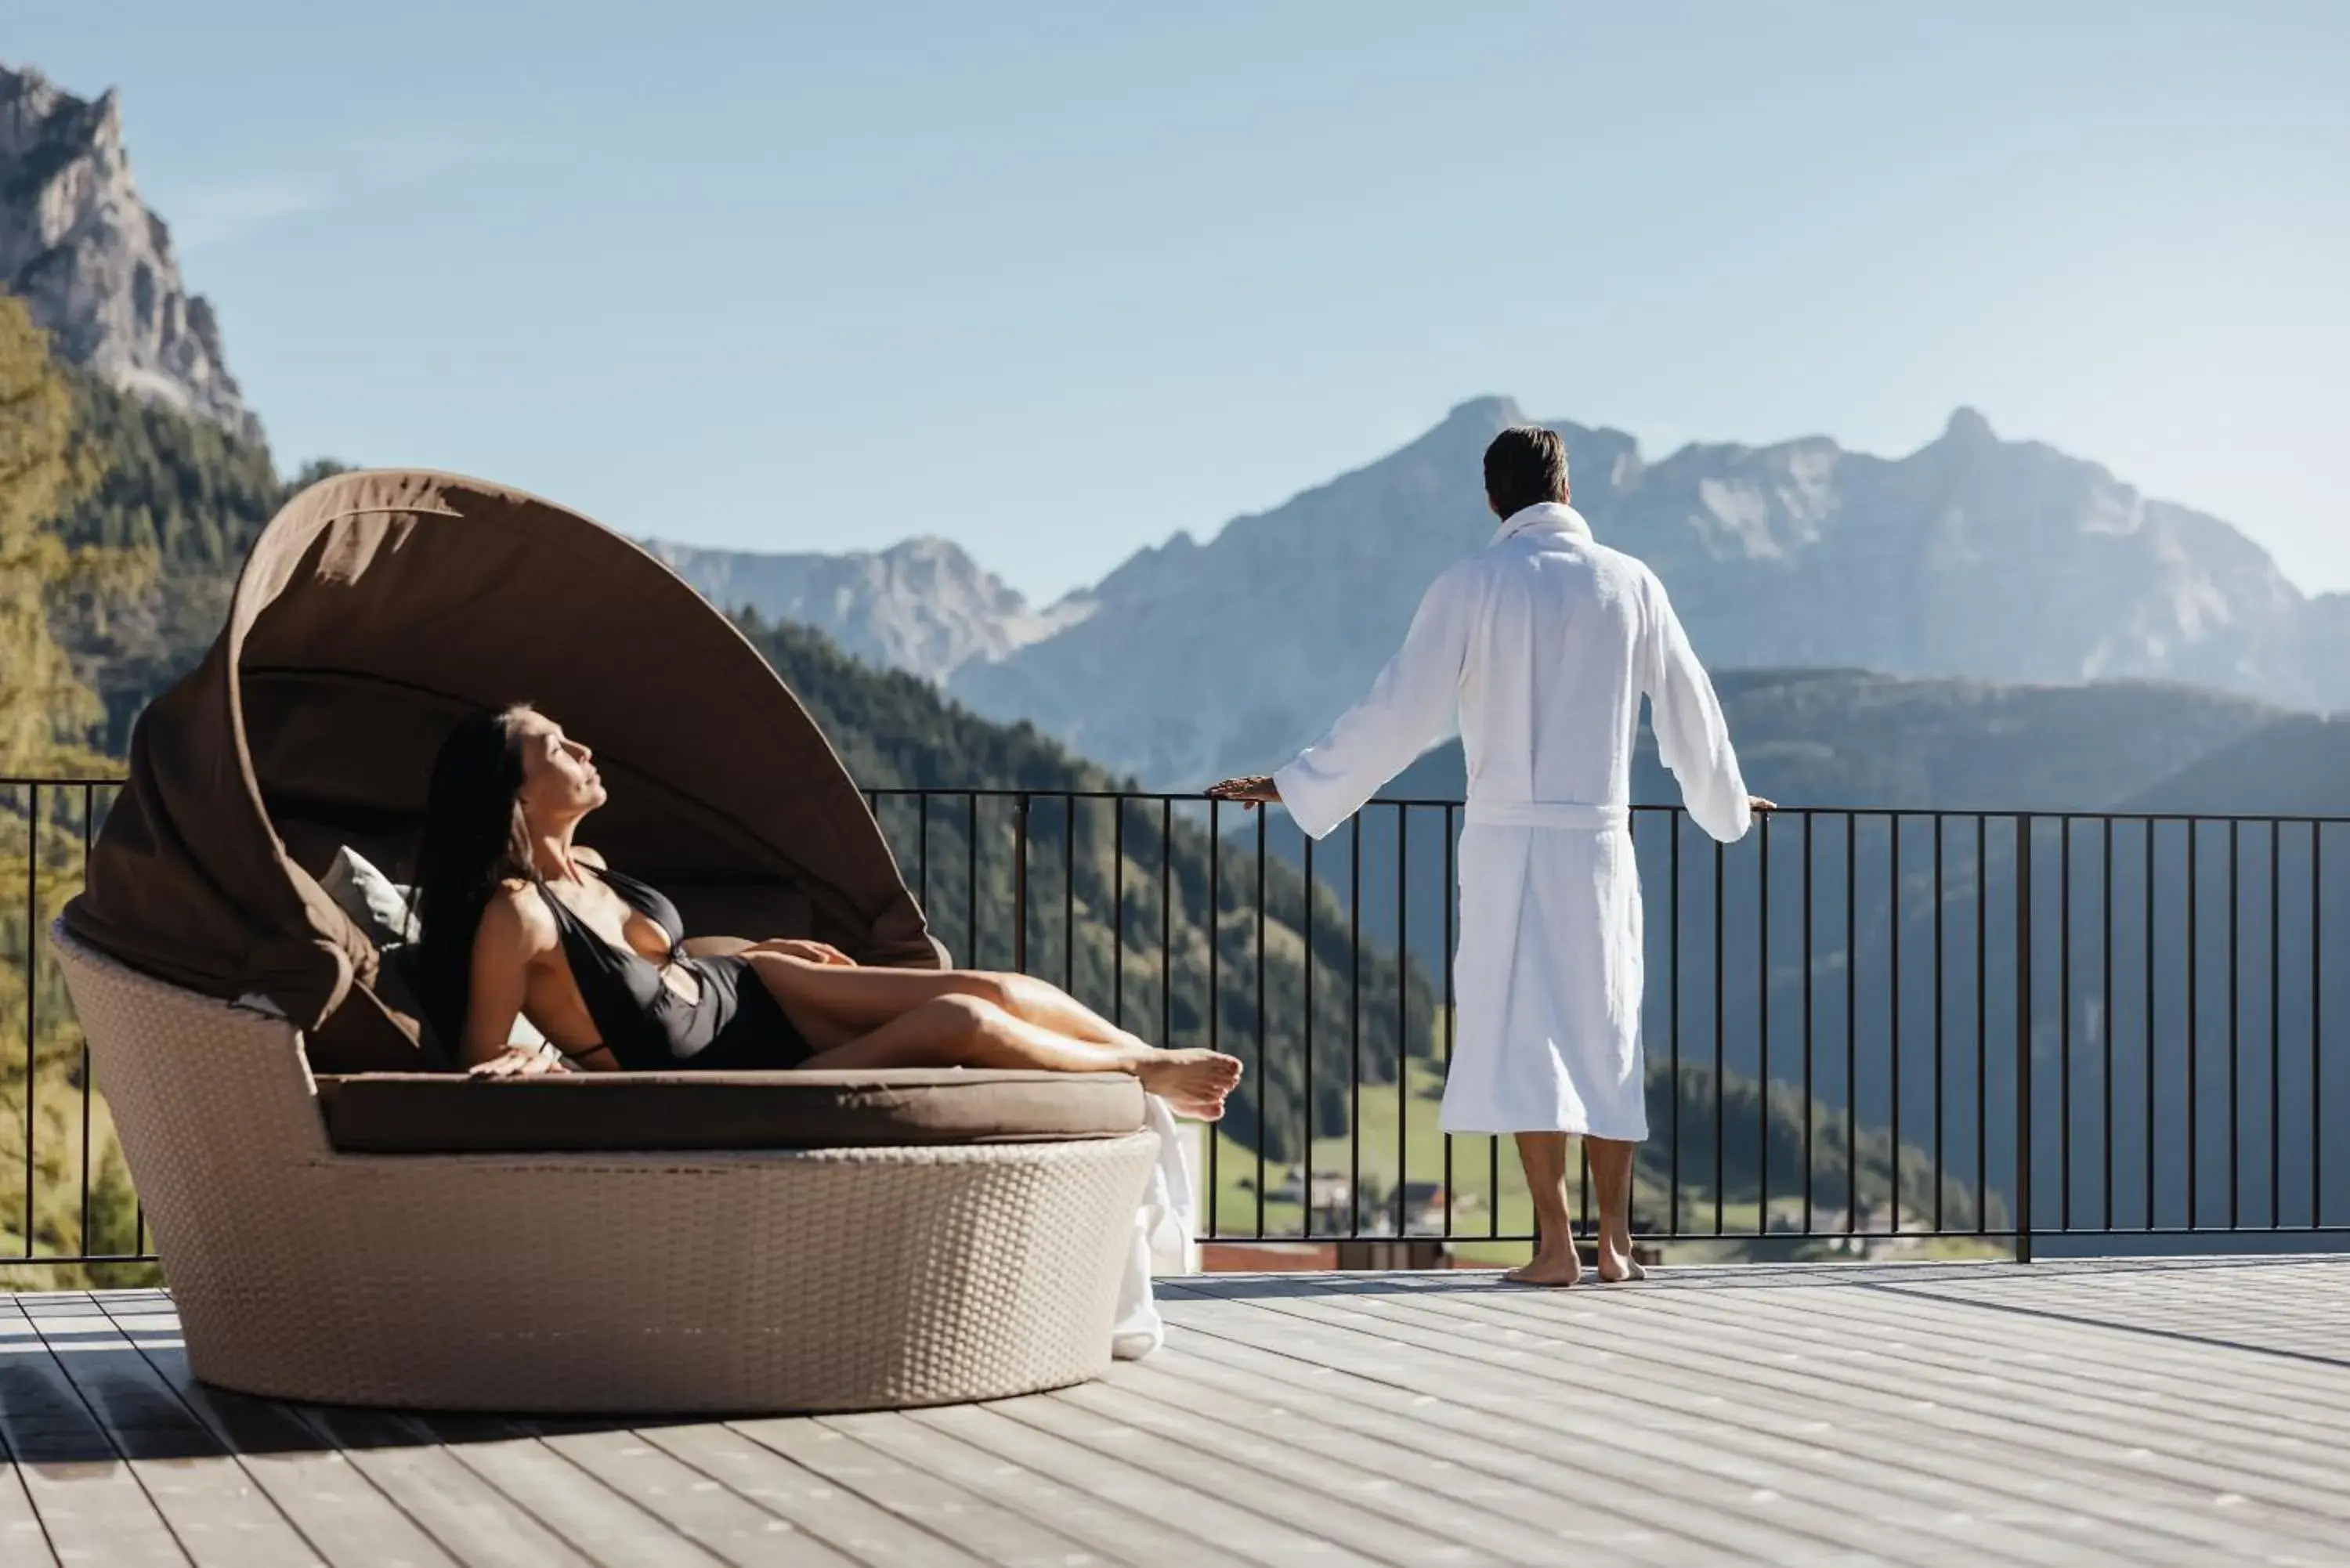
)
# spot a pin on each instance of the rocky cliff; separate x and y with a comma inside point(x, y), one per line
point(95, 265)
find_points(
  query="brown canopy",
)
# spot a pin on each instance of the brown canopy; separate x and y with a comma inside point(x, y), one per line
point(375, 609)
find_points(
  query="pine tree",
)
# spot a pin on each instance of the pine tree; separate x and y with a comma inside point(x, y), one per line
point(45, 711)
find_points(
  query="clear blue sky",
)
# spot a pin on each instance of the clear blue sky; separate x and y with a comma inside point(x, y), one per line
point(1059, 280)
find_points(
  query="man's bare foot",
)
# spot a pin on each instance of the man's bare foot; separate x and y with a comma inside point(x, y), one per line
point(1192, 1082)
point(1617, 1264)
point(1552, 1269)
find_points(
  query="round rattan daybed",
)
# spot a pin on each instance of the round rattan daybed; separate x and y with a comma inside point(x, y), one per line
point(341, 1218)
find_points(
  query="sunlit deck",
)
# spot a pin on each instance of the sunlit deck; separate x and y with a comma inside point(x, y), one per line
point(2107, 1412)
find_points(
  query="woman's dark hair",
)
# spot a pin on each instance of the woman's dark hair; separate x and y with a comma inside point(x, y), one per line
point(474, 838)
point(1525, 466)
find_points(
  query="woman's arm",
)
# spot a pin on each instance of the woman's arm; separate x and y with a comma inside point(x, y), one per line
point(505, 946)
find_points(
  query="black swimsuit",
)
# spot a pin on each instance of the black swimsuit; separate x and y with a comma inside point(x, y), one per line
point(733, 1022)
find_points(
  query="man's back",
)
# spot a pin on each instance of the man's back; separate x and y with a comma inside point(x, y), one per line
point(1552, 675)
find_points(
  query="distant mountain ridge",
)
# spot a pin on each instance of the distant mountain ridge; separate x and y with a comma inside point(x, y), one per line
point(1971, 557)
point(923, 606)
point(95, 265)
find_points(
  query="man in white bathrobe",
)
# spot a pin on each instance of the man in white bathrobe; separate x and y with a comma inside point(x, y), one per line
point(1539, 648)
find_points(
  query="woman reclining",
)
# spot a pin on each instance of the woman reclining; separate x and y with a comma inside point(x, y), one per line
point(519, 918)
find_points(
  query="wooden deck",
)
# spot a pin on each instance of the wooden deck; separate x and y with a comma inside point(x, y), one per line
point(2094, 1413)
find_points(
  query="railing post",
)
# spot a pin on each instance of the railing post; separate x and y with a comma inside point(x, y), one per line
point(2023, 1038)
point(1020, 884)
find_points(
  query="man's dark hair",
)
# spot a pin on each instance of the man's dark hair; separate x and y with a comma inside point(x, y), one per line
point(1525, 466)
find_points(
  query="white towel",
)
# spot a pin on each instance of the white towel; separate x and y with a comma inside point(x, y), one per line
point(1162, 1236)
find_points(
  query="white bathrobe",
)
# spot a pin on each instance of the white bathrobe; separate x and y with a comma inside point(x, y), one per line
point(1539, 648)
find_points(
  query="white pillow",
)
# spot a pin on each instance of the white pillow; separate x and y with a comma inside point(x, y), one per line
point(383, 908)
point(378, 904)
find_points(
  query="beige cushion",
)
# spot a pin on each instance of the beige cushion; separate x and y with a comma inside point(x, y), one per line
point(441, 1113)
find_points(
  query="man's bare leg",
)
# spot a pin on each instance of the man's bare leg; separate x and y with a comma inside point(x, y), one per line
point(1611, 1172)
point(1543, 1154)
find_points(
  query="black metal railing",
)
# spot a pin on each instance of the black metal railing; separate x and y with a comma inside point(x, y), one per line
point(1864, 1028)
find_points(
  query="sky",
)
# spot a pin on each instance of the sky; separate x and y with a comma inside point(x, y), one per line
point(1056, 281)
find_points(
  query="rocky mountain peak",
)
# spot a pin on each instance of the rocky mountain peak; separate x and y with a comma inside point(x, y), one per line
point(1969, 428)
point(94, 264)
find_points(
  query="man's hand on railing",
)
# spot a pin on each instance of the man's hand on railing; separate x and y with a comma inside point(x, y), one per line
point(1756, 803)
point(1251, 790)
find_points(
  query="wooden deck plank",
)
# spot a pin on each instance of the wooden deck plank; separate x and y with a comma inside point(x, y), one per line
point(1237, 1529)
point(1117, 1534)
point(216, 1512)
point(572, 1509)
point(1555, 1488)
point(843, 1522)
point(1870, 1423)
point(830, 1447)
point(91, 1505)
point(1773, 1503)
point(435, 1484)
point(2086, 1437)
point(2115, 1358)
point(1443, 1499)
point(1529, 1377)
point(2091, 1412)
point(336, 1507)
point(1204, 1474)
point(702, 1510)
point(1900, 1462)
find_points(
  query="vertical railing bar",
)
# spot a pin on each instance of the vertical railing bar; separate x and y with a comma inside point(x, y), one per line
point(1851, 1028)
point(1893, 1005)
point(2276, 1028)
point(970, 881)
point(1069, 894)
point(1447, 962)
point(1673, 965)
point(1810, 1111)
point(2147, 1023)
point(2194, 1033)
point(1020, 883)
point(1167, 923)
point(2023, 1151)
point(32, 987)
point(2316, 1033)
point(1306, 923)
point(2064, 1022)
point(88, 1091)
point(1762, 1026)
point(1403, 1025)
point(1215, 996)
point(2105, 1013)
point(2235, 1014)
point(1583, 1182)
point(1982, 1025)
point(1720, 1099)
point(1355, 1024)
point(1117, 903)
point(1263, 1033)
point(1942, 1085)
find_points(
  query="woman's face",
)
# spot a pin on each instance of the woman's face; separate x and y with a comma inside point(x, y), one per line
point(559, 781)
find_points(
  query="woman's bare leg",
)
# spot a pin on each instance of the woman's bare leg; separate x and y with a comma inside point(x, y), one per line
point(832, 1003)
point(960, 1031)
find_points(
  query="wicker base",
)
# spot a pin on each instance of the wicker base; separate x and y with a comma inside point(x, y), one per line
point(849, 1279)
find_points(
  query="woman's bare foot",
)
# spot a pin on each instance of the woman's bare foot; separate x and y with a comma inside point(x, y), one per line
point(1617, 1263)
point(1554, 1269)
point(1192, 1082)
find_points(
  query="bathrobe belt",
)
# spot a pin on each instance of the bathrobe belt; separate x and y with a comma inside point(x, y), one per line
point(1566, 814)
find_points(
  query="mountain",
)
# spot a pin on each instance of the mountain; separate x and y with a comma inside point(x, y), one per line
point(1972, 557)
point(923, 606)
point(96, 266)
